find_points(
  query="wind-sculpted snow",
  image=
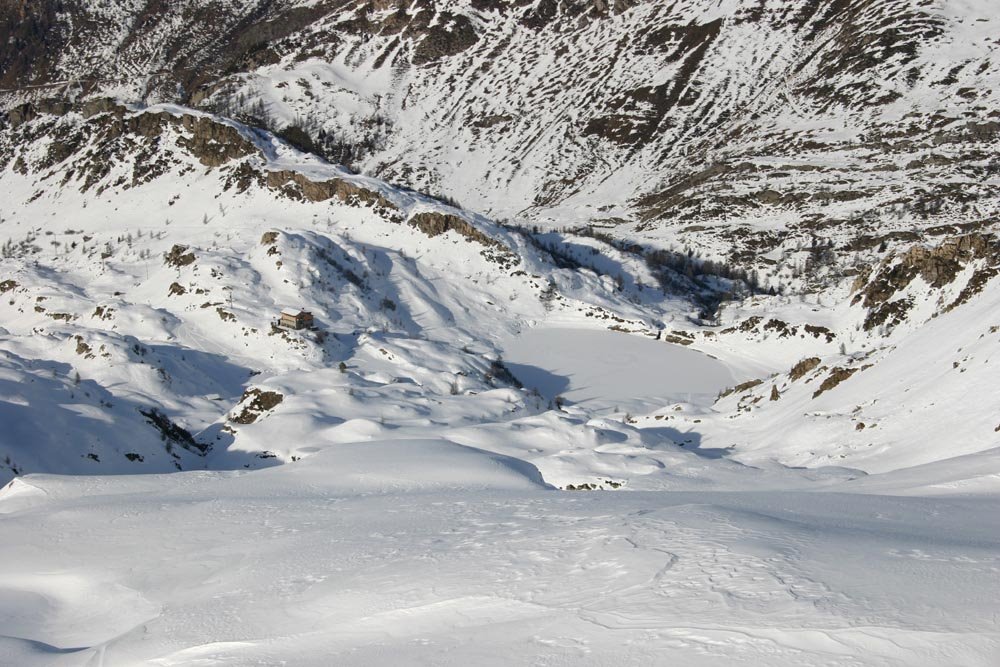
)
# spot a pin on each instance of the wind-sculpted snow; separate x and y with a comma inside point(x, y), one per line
point(446, 555)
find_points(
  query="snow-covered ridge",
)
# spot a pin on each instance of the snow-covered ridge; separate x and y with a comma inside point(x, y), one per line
point(153, 310)
point(217, 226)
point(724, 394)
point(741, 129)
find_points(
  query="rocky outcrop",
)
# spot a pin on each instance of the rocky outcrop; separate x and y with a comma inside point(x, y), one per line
point(433, 223)
point(26, 112)
point(99, 105)
point(178, 256)
point(740, 388)
point(805, 366)
point(450, 35)
point(254, 403)
point(113, 134)
point(21, 114)
point(938, 266)
point(836, 376)
point(300, 186)
point(213, 143)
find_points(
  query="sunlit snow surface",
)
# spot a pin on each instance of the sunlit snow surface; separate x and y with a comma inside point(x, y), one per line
point(419, 516)
point(421, 550)
point(426, 552)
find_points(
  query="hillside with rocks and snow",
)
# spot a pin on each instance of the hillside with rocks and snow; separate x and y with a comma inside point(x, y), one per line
point(643, 332)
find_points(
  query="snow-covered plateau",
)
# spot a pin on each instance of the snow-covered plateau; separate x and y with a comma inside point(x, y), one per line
point(700, 373)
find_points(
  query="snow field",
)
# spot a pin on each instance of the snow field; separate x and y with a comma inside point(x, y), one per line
point(418, 515)
point(444, 555)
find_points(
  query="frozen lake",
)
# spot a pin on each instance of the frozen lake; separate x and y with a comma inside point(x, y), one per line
point(607, 370)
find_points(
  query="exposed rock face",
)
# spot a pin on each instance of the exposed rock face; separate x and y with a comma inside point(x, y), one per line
point(82, 348)
point(805, 366)
point(254, 403)
point(178, 256)
point(452, 34)
point(432, 224)
point(938, 267)
point(214, 143)
point(297, 185)
point(749, 384)
point(21, 114)
point(99, 105)
point(836, 376)
point(114, 134)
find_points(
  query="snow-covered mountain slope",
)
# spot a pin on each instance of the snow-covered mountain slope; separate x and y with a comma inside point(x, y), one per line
point(740, 129)
point(914, 382)
point(152, 306)
point(142, 293)
point(152, 346)
point(732, 266)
